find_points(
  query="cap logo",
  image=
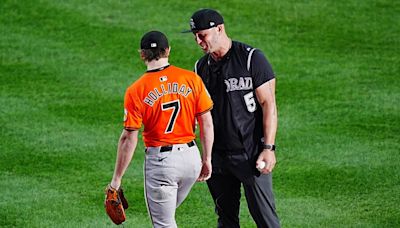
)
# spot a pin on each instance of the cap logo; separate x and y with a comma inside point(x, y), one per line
point(153, 45)
point(192, 25)
point(212, 23)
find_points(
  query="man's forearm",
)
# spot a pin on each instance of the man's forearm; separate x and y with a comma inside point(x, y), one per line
point(266, 97)
point(206, 135)
point(126, 147)
point(270, 123)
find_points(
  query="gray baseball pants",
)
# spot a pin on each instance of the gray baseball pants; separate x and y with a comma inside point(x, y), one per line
point(169, 176)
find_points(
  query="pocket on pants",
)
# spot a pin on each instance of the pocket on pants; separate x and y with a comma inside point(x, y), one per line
point(159, 169)
point(161, 193)
point(159, 160)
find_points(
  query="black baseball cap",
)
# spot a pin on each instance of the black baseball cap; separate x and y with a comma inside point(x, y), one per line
point(204, 19)
point(154, 39)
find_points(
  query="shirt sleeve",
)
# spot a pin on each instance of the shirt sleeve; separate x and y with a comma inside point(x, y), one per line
point(204, 102)
point(261, 69)
point(132, 114)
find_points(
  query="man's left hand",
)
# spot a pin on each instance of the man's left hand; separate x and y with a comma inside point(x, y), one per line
point(267, 156)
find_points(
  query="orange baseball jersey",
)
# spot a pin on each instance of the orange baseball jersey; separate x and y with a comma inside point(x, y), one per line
point(166, 101)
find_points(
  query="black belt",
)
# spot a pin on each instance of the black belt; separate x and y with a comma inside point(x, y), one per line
point(169, 148)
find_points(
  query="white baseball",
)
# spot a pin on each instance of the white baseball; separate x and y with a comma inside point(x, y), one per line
point(261, 165)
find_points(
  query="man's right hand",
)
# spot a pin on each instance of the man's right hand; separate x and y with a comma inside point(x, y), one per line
point(206, 171)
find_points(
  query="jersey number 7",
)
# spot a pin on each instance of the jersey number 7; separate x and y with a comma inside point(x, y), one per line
point(175, 105)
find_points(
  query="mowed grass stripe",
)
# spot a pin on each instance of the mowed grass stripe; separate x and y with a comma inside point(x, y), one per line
point(63, 143)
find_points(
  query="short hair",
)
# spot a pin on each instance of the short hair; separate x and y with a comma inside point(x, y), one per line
point(154, 54)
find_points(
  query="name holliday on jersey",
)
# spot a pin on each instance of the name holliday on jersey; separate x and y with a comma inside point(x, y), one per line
point(172, 88)
point(242, 83)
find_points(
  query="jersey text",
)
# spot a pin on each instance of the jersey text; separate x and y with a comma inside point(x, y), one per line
point(242, 83)
point(164, 89)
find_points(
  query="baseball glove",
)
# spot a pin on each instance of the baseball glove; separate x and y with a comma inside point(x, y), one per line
point(115, 204)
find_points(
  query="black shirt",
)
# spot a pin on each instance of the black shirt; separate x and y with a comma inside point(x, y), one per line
point(231, 82)
point(226, 133)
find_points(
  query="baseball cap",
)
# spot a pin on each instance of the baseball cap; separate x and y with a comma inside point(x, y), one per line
point(154, 39)
point(204, 19)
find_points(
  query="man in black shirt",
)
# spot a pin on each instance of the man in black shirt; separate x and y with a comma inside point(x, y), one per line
point(241, 83)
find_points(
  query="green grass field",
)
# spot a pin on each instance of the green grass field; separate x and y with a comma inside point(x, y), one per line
point(65, 65)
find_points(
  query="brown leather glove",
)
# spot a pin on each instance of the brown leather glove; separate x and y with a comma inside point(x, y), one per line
point(115, 204)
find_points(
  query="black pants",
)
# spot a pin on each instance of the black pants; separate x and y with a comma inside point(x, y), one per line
point(229, 173)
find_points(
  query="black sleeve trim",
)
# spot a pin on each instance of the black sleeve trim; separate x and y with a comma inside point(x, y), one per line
point(131, 129)
point(203, 112)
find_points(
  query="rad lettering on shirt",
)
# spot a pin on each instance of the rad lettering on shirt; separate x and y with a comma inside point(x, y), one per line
point(164, 89)
point(241, 83)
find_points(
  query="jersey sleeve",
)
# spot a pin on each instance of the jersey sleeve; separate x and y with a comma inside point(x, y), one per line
point(261, 69)
point(132, 115)
point(204, 102)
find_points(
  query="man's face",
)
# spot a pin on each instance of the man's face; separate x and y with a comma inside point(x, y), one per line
point(207, 39)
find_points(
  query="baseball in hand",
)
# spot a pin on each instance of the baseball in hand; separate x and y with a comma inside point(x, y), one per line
point(261, 165)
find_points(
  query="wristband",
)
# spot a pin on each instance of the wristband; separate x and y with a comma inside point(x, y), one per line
point(269, 147)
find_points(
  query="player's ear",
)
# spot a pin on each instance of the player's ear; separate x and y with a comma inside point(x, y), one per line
point(168, 50)
point(142, 54)
point(220, 27)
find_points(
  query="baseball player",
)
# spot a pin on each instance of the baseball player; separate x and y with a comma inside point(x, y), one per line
point(166, 100)
point(242, 85)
